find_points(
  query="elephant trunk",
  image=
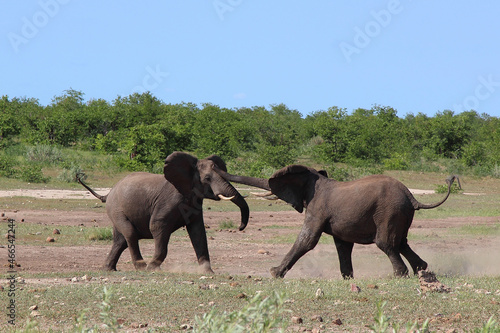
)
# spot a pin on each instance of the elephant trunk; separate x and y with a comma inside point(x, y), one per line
point(238, 200)
point(251, 181)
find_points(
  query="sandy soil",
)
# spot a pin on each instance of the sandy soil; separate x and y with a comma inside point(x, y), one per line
point(234, 252)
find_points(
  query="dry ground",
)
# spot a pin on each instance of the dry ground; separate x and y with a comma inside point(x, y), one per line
point(235, 252)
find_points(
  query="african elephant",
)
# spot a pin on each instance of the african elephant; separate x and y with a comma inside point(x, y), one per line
point(375, 209)
point(144, 206)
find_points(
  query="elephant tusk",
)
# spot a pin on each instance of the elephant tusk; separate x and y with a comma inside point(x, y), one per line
point(225, 198)
point(258, 194)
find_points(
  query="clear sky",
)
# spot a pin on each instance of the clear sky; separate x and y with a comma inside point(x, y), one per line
point(416, 56)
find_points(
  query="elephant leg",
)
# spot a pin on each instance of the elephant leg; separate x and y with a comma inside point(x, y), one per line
point(416, 263)
point(198, 236)
point(127, 229)
point(119, 245)
point(392, 252)
point(161, 249)
point(135, 253)
point(306, 241)
point(344, 250)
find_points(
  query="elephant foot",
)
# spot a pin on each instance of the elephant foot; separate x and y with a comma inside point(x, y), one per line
point(206, 268)
point(277, 273)
point(140, 265)
point(109, 268)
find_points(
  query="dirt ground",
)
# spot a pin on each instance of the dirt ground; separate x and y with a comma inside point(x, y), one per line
point(251, 252)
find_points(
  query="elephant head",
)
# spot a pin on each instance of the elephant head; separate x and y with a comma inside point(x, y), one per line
point(196, 179)
point(293, 184)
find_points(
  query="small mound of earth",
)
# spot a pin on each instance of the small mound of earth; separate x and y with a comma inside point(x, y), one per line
point(429, 283)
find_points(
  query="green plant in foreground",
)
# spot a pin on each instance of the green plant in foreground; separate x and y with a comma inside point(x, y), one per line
point(490, 327)
point(382, 322)
point(259, 315)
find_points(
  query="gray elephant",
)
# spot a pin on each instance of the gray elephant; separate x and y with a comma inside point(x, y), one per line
point(375, 209)
point(144, 206)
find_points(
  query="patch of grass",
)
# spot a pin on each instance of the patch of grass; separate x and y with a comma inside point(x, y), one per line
point(227, 224)
point(477, 230)
point(36, 234)
point(165, 301)
point(100, 234)
point(17, 203)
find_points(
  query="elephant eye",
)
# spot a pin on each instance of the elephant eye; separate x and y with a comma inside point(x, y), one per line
point(208, 178)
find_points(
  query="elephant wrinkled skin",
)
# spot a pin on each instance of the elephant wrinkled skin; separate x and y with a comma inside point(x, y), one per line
point(375, 209)
point(144, 206)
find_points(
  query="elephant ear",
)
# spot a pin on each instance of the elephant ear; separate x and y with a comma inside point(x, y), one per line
point(323, 173)
point(218, 161)
point(179, 170)
point(289, 184)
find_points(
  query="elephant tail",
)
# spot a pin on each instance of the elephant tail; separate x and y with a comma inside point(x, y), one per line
point(98, 196)
point(417, 205)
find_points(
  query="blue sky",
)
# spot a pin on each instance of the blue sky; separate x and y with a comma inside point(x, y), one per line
point(416, 56)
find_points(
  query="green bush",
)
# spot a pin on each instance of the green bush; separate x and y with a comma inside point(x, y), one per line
point(7, 166)
point(33, 174)
point(44, 154)
point(68, 174)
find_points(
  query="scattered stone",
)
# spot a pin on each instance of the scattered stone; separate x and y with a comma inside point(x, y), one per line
point(317, 318)
point(337, 321)
point(372, 286)
point(187, 282)
point(241, 295)
point(74, 279)
point(33, 307)
point(120, 321)
point(262, 251)
point(56, 231)
point(257, 279)
point(86, 278)
point(234, 284)
point(186, 327)
point(138, 325)
point(320, 293)
point(35, 313)
point(50, 240)
point(355, 288)
point(204, 277)
point(429, 283)
point(297, 320)
point(213, 286)
point(211, 303)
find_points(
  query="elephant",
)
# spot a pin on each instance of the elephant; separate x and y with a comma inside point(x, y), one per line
point(152, 206)
point(374, 209)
